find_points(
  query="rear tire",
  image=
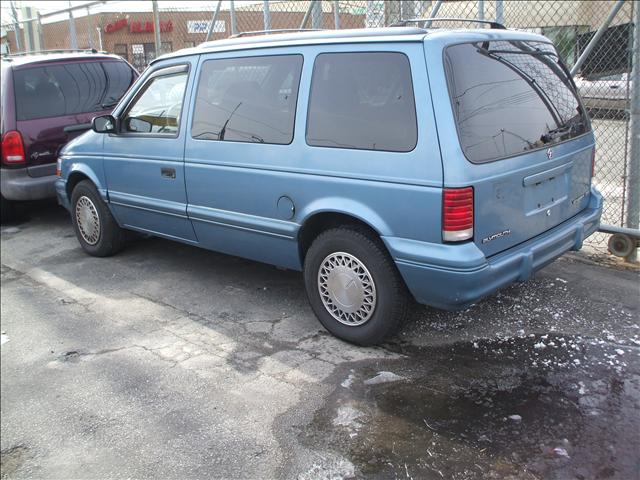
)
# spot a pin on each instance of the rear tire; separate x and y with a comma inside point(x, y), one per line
point(354, 287)
point(98, 232)
point(7, 210)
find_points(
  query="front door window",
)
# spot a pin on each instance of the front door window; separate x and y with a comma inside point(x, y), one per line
point(157, 110)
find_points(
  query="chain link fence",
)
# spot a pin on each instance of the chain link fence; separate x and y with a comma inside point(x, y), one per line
point(603, 74)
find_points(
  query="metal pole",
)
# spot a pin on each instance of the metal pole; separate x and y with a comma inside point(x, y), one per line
point(307, 14)
point(481, 12)
point(232, 15)
point(16, 27)
point(72, 30)
point(99, 29)
point(90, 28)
point(589, 48)
point(214, 19)
point(499, 12)
point(267, 14)
point(316, 16)
point(434, 13)
point(156, 28)
point(633, 169)
point(40, 33)
point(336, 14)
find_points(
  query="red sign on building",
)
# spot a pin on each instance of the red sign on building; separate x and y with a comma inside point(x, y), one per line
point(115, 26)
point(137, 26)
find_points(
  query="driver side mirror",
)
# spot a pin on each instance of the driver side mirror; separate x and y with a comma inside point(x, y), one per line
point(104, 124)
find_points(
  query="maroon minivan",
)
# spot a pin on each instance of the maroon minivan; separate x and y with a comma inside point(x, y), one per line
point(45, 101)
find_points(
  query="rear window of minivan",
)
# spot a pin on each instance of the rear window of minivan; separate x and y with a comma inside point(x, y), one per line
point(511, 97)
point(69, 88)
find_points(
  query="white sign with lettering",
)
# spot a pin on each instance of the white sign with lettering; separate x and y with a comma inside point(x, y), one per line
point(202, 26)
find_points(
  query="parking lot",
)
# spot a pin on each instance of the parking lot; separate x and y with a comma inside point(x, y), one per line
point(167, 361)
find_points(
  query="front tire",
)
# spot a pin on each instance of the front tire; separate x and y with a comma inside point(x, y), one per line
point(354, 287)
point(97, 231)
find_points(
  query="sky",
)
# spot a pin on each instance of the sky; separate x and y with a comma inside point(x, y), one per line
point(109, 6)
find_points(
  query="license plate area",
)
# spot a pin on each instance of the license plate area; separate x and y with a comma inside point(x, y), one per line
point(545, 190)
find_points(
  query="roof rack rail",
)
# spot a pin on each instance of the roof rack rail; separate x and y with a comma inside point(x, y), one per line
point(277, 30)
point(38, 52)
point(403, 23)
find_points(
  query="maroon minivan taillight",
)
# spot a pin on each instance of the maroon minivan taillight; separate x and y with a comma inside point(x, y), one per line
point(12, 148)
point(457, 214)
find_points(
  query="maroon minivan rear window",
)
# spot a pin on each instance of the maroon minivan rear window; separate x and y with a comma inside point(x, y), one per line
point(68, 89)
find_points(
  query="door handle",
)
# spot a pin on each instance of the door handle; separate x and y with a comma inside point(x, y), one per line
point(168, 172)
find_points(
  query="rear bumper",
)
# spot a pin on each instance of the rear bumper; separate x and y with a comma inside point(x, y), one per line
point(456, 276)
point(16, 184)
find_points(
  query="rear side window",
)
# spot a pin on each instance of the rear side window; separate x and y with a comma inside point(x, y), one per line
point(363, 101)
point(68, 89)
point(249, 99)
point(510, 97)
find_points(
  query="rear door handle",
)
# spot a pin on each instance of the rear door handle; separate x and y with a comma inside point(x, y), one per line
point(168, 172)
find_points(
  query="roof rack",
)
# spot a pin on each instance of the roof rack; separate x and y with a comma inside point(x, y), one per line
point(403, 23)
point(40, 52)
point(277, 30)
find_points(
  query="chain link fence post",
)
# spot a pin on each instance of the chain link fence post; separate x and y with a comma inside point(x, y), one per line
point(232, 17)
point(156, 27)
point(16, 26)
point(266, 15)
point(633, 174)
point(72, 29)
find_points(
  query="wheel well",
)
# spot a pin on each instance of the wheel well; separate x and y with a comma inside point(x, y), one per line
point(74, 179)
point(320, 222)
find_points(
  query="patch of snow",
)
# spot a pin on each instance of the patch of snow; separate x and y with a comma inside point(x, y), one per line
point(539, 346)
point(383, 377)
point(347, 382)
point(515, 418)
point(3, 338)
point(347, 416)
point(560, 452)
point(619, 351)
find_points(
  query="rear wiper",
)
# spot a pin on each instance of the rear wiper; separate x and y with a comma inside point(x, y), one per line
point(521, 52)
point(559, 132)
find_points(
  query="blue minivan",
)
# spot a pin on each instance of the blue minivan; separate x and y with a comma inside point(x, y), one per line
point(385, 164)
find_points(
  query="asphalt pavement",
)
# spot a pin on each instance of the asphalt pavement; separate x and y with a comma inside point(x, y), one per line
point(168, 361)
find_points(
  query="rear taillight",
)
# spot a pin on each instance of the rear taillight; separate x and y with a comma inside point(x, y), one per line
point(457, 214)
point(12, 148)
point(593, 162)
point(59, 167)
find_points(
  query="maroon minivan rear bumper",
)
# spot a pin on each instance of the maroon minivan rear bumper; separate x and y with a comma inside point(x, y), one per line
point(17, 185)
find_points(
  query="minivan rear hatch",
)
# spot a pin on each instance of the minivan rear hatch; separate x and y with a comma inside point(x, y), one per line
point(525, 136)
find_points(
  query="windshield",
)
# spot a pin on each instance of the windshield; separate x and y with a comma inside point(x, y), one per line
point(510, 97)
